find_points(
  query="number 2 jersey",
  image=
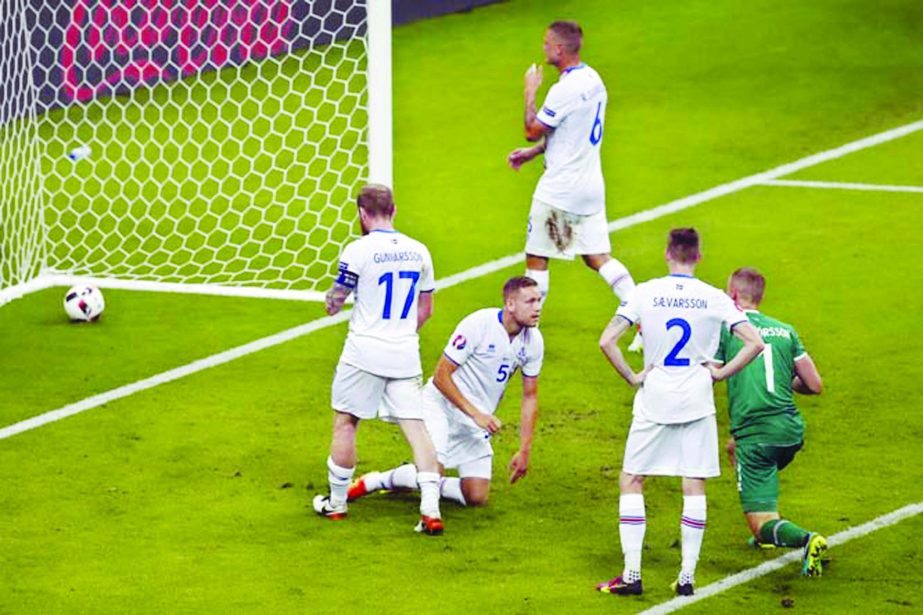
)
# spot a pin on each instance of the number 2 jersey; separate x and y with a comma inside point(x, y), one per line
point(760, 396)
point(681, 319)
point(387, 271)
point(575, 108)
point(487, 358)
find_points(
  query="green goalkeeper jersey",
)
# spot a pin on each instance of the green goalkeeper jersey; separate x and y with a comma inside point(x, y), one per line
point(760, 395)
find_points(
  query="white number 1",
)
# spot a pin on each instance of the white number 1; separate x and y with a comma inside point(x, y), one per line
point(767, 365)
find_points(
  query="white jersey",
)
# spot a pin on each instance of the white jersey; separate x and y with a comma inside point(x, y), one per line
point(681, 320)
point(576, 109)
point(487, 358)
point(388, 271)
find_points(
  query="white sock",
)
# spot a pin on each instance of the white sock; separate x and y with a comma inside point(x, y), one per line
point(692, 527)
point(617, 277)
point(450, 488)
point(543, 278)
point(429, 493)
point(401, 477)
point(339, 479)
point(632, 524)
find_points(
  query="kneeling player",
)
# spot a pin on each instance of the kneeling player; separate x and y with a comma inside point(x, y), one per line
point(766, 426)
point(483, 353)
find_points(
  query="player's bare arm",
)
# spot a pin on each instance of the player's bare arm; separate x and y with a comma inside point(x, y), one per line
point(424, 308)
point(336, 297)
point(608, 343)
point(519, 464)
point(731, 448)
point(753, 345)
point(522, 155)
point(807, 379)
point(534, 129)
point(442, 378)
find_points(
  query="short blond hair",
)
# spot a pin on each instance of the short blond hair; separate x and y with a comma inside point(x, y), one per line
point(569, 33)
point(749, 283)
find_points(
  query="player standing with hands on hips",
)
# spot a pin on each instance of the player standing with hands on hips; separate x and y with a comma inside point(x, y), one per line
point(673, 429)
point(379, 373)
point(568, 213)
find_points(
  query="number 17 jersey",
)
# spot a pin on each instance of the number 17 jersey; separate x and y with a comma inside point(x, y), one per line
point(387, 270)
point(681, 319)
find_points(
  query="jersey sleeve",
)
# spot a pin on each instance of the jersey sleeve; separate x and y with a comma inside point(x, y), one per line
point(348, 270)
point(557, 105)
point(722, 352)
point(798, 349)
point(536, 355)
point(427, 275)
point(730, 314)
point(463, 341)
point(630, 309)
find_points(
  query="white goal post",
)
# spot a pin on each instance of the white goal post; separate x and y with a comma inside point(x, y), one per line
point(206, 146)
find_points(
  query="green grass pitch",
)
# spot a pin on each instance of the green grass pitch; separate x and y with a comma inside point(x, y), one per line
point(194, 496)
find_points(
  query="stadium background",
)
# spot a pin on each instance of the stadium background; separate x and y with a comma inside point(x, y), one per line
point(194, 496)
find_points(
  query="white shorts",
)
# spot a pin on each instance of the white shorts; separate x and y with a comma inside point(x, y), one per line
point(554, 233)
point(365, 395)
point(456, 447)
point(677, 449)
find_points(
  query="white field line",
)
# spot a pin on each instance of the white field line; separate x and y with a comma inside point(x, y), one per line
point(173, 374)
point(799, 183)
point(759, 178)
point(448, 282)
point(772, 565)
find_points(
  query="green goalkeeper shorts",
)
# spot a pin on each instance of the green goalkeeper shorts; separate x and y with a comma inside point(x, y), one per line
point(758, 467)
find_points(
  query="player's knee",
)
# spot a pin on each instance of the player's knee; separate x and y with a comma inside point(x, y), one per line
point(475, 494)
point(631, 483)
point(344, 425)
point(595, 261)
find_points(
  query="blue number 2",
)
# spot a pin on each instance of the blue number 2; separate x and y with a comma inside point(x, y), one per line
point(388, 280)
point(596, 133)
point(687, 333)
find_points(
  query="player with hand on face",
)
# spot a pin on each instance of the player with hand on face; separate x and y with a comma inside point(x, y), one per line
point(766, 428)
point(568, 213)
point(486, 349)
point(379, 373)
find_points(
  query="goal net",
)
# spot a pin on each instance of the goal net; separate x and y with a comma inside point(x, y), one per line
point(190, 145)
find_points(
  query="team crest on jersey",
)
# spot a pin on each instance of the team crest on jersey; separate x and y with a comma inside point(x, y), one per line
point(521, 355)
point(459, 342)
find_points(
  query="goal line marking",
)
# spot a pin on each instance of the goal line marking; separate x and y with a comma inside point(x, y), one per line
point(799, 183)
point(772, 565)
point(447, 282)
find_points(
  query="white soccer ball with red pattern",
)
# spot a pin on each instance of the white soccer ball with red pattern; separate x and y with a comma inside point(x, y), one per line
point(84, 303)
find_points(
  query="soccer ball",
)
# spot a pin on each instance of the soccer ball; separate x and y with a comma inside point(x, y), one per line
point(84, 303)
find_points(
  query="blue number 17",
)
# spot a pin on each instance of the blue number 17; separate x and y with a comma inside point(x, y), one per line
point(388, 280)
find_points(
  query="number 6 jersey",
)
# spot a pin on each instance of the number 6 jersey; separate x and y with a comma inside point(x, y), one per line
point(681, 319)
point(387, 271)
point(576, 109)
